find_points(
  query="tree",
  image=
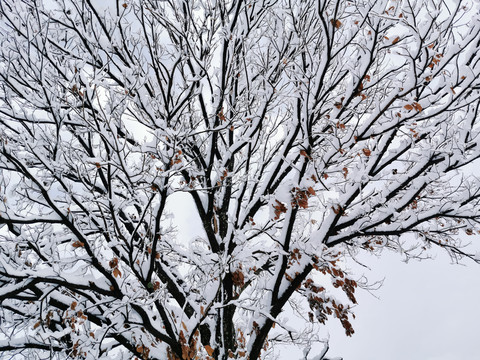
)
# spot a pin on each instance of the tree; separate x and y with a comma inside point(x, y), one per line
point(301, 131)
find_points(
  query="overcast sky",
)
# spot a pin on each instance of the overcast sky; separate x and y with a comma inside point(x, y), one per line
point(426, 310)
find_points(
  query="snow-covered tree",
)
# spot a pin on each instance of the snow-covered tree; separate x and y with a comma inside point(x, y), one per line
point(294, 133)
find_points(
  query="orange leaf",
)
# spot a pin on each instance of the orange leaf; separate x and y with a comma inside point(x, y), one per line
point(417, 106)
point(113, 263)
point(408, 107)
point(221, 116)
point(336, 209)
point(279, 208)
point(37, 324)
point(304, 153)
point(238, 279)
point(209, 350)
point(303, 203)
point(395, 40)
point(77, 244)
point(336, 23)
point(367, 152)
point(117, 272)
point(73, 305)
point(311, 191)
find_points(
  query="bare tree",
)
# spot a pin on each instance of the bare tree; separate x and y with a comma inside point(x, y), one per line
point(301, 132)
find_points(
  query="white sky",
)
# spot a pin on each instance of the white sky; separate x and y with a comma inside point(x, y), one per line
point(426, 310)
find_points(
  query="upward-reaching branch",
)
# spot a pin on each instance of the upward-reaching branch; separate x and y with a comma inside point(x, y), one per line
point(296, 130)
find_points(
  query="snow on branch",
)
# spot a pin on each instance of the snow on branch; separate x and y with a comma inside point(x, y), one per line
point(175, 175)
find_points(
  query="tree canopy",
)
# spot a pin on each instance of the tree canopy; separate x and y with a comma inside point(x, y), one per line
point(300, 131)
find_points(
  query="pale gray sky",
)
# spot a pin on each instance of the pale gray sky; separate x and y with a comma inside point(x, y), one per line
point(426, 310)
